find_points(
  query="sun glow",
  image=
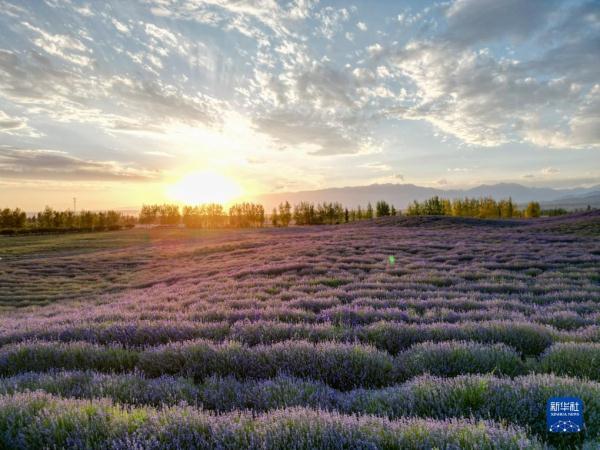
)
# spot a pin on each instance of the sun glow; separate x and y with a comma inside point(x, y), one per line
point(204, 187)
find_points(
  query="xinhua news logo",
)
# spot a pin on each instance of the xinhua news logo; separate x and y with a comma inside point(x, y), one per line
point(564, 415)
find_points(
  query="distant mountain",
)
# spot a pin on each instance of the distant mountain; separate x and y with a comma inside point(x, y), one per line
point(575, 202)
point(401, 195)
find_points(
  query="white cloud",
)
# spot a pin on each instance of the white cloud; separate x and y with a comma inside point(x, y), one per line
point(481, 100)
point(375, 49)
point(44, 164)
point(362, 26)
point(11, 124)
point(84, 10)
point(549, 171)
point(61, 45)
point(474, 21)
point(332, 20)
point(162, 34)
point(120, 26)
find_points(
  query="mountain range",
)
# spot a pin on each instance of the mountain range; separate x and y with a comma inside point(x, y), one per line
point(400, 195)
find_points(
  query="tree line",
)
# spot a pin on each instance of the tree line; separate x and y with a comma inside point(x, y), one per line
point(210, 215)
point(307, 213)
point(53, 220)
point(251, 215)
point(485, 208)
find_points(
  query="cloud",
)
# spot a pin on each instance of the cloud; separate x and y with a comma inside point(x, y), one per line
point(483, 73)
point(16, 126)
point(248, 17)
point(319, 138)
point(475, 21)
point(57, 165)
point(488, 102)
point(120, 26)
point(314, 105)
point(162, 34)
point(324, 86)
point(381, 167)
point(375, 49)
point(581, 130)
point(332, 20)
point(84, 10)
point(11, 124)
point(549, 171)
point(116, 102)
point(156, 102)
point(161, 154)
point(66, 47)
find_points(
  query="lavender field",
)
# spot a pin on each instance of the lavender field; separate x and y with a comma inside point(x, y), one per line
point(399, 332)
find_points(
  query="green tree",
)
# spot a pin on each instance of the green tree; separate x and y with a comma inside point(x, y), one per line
point(414, 209)
point(533, 210)
point(285, 213)
point(382, 208)
point(369, 211)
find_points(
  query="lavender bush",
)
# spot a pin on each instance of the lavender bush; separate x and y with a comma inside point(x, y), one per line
point(454, 358)
point(468, 319)
point(39, 421)
point(575, 359)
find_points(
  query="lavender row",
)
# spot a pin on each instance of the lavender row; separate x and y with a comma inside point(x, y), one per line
point(480, 397)
point(342, 366)
point(528, 338)
point(364, 311)
point(39, 420)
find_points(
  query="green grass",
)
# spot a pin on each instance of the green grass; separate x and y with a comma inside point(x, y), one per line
point(41, 269)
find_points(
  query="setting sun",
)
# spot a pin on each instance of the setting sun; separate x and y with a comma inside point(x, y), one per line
point(204, 187)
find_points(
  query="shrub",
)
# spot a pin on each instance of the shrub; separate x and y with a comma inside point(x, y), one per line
point(39, 420)
point(459, 357)
point(528, 338)
point(40, 356)
point(342, 366)
point(519, 401)
point(478, 396)
point(265, 332)
point(133, 334)
point(130, 388)
point(573, 359)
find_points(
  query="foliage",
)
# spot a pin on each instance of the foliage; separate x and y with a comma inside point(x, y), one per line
point(209, 215)
point(100, 425)
point(485, 208)
point(51, 219)
point(229, 321)
point(244, 215)
point(382, 209)
point(533, 210)
point(575, 359)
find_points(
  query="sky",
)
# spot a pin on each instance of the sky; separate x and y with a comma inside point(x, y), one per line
point(119, 103)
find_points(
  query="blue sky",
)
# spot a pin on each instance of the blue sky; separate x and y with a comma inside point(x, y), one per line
point(113, 102)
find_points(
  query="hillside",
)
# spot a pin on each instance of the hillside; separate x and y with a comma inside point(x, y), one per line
point(372, 331)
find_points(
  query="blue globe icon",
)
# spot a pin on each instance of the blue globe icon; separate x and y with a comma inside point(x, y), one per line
point(564, 426)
